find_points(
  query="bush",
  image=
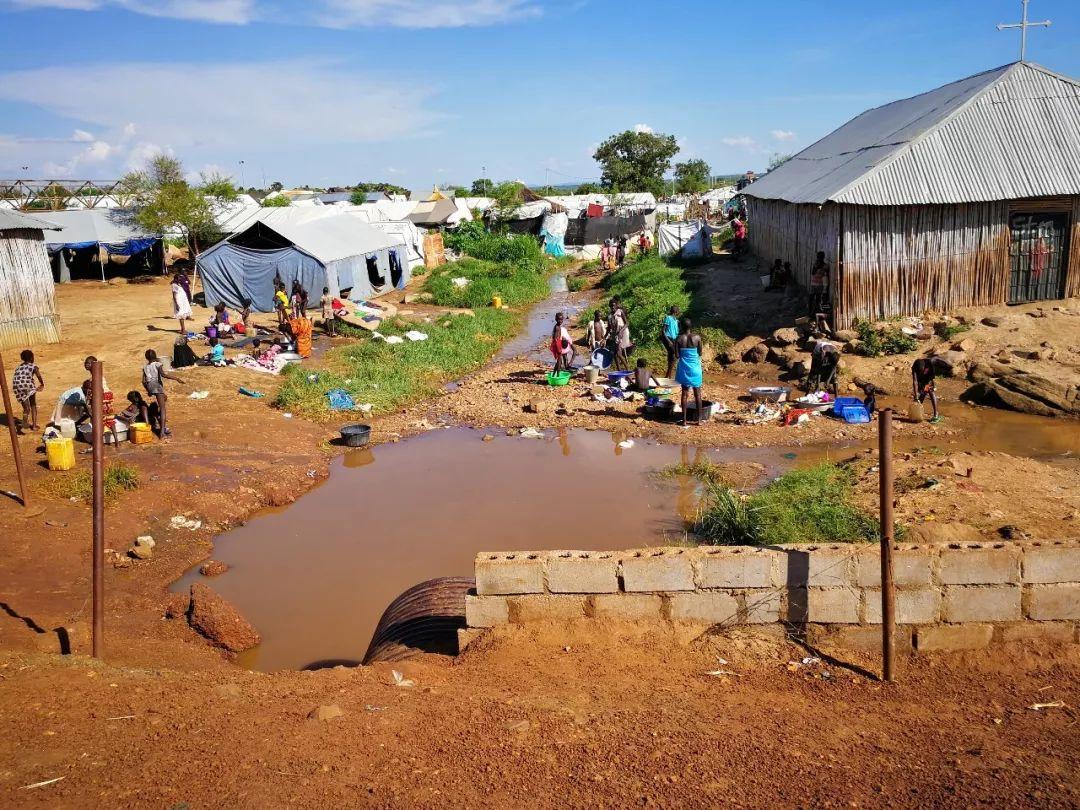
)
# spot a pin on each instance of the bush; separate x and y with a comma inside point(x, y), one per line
point(890, 340)
point(516, 284)
point(947, 331)
point(473, 239)
point(812, 505)
point(119, 478)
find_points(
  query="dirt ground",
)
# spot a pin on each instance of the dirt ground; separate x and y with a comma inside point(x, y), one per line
point(625, 716)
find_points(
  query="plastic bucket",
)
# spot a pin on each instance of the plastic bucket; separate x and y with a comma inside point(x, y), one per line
point(496, 301)
point(60, 453)
point(592, 374)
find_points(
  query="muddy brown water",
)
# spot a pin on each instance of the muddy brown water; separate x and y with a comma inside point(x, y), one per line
point(315, 576)
point(535, 337)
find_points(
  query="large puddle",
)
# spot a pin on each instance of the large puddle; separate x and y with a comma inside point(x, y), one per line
point(314, 577)
point(534, 339)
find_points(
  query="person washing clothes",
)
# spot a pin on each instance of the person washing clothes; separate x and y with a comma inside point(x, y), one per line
point(923, 385)
point(669, 333)
point(688, 371)
point(562, 345)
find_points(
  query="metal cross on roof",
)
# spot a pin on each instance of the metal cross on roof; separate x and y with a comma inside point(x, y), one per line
point(1024, 25)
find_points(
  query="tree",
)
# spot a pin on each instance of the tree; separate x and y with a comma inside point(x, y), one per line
point(280, 201)
point(481, 188)
point(692, 177)
point(459, 191)
point(163, 200)
point(589, 188)
point(636, 161)
point(777, 159)
point(277, 186)
point(508, 196)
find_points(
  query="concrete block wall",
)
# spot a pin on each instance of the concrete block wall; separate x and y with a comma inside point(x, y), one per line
point(955, 596)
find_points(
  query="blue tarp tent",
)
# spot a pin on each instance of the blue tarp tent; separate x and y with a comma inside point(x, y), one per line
point(109, 228)
point(321, 249)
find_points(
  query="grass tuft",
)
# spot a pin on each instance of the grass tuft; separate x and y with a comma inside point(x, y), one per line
point(79, 484)
point(706, 471)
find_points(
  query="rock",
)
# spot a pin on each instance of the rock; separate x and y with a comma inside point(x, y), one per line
point(800, 368)
point(785, 337)
point(1026, 392)
point(934, 532)
point(1010, 532)
point(995, 321)
point(734, 353)
point(324, 713)
point(846, 335)
point(852, 347)
point(757, 354)
point(141, 552)
point(177, 605)
point(488, 437)
point(145, 540)
point(213, 568)
point(1026, 354)
point(965, 345)
point(979, 372)
point(218, 620)
point(950, 363)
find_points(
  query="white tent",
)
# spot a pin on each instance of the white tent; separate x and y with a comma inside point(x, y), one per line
point(687, 238)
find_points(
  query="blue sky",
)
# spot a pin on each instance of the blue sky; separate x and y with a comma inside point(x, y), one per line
point(423, 91)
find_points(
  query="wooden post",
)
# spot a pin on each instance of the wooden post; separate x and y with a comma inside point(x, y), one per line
point(15, 450)
point(888, 596)
point(98, 508)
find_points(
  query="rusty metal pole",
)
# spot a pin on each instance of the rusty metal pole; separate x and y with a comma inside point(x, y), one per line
point(888, 596)
point(15, 451)
point(98, 508)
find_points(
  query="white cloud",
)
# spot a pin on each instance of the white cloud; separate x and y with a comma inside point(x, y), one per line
point(783, 134)
point(644, 129)
point(237, 12)
point(81, 136)
point(741, 141)
point(325, 13)
point(326, 104)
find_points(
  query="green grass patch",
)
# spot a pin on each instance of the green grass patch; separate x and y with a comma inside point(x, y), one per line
point(516, 284)
point(390, 376)
point(947, 331)
point(812, 505)
point(473, 239)
point(706, 471)
point(79, 484)
point(888, 340)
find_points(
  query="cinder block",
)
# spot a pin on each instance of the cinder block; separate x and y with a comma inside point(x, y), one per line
point(856, 637)
point(509, 573)
point(761, 606)
point(913, 606)
point(820, 566)
point(544, 608)
point(1058, 632)
point(582, 572)
point(1047, 602)
point(486, 611)
point(983, 565)
point(832, 605)
point(953, 637)
point(911, 567)
point(707, 608)
point(658, 570)
point(999, 603)
point(1048, 564)
point(737, 568)
point(630, 606)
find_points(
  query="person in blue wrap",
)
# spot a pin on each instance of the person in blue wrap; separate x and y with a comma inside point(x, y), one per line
point(688, 371)
point(669, 332)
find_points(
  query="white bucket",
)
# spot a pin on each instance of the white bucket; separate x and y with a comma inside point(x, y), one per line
point(66, 428)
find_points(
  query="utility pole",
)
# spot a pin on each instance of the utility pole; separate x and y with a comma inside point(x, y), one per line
point(885, 505)
point(1024, 25)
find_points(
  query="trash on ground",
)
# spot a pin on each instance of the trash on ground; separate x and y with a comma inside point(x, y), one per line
point(401, 680)
point(340, 400)
point(414, 335)
point(1057, 704)
point(247, 392)
point(460, 281)
point(198, 395)
point(184, 522)
point(531, 433)
point(626, 444)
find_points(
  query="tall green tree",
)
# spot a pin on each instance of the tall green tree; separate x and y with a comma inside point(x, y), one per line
point(162, 200)
point(589, 188)
point(636, 161)
point(280, 201)
point(692, 177)
point(481, 188)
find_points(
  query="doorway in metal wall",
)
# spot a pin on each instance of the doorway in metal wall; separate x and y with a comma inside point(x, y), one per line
point(1039, 253)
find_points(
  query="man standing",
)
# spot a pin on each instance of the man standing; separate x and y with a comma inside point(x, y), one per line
point(819, 285)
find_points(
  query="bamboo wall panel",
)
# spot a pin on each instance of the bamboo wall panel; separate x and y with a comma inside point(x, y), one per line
point(905, 260)
point(793, 233)
point(1072, 273)
point(27, 294)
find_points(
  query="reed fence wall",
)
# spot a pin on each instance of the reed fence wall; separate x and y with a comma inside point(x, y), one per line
point(28, 314)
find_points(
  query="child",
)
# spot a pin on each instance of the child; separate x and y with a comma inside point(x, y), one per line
point(562, 346)
point(136, 411)
point(923, 384)
point(245, 315)
point(153, 377)
point(642, 376)
point(221, 319)
point(217, 353)
point(25, 390)
point(597, 332)
point(296, 299)
point(328, 317)
point(281, 303)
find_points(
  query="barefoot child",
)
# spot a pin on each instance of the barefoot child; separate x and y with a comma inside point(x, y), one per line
point(153, 377)
point(25, 389)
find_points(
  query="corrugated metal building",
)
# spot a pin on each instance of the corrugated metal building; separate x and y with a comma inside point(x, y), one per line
point(966, 195)
point(27, 295)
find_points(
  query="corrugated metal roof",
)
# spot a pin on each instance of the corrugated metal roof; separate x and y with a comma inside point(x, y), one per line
point(16, 220)
point(1009, 133)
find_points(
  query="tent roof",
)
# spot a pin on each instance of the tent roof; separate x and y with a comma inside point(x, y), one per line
point(16, 220)
point(432, 212)
point(326, 234)
point(109, 226)
point(1008, 133)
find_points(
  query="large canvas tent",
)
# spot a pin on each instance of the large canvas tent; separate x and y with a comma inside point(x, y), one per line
point(337, 251)
point(27, 296)
point(85, 233)
point(966, 195)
